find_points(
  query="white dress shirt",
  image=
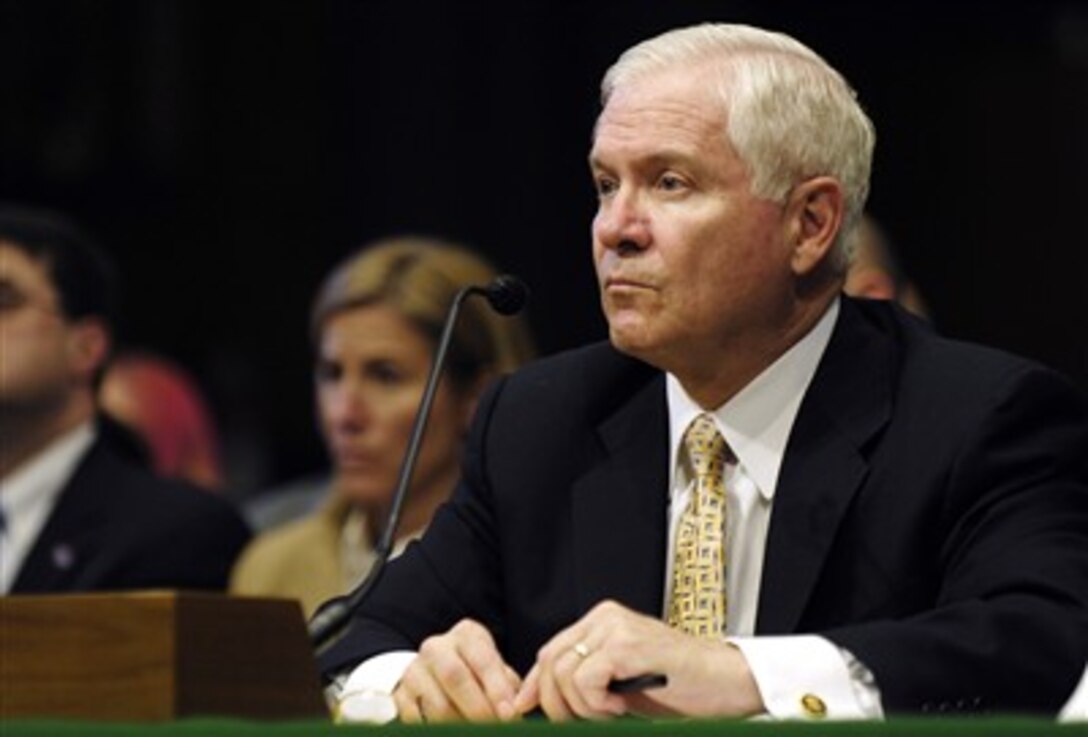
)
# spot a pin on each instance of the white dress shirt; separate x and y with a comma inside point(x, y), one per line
point(789, 670)
point(29, 493)
point(756, 423)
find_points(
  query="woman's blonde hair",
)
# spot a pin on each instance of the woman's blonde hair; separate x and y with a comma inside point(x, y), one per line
point(419, 277)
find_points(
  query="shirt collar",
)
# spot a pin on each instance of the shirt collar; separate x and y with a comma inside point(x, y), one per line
point(756, 422)
point(38, 482)
point(31, 491)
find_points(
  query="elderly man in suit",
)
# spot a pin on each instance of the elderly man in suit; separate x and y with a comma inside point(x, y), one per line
point(79, 515)
point(781, 500)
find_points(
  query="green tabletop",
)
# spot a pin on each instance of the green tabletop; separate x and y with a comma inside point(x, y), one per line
point(958, 727)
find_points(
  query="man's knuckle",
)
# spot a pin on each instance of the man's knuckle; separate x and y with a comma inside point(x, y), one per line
point(450, 672)
point(431, 647)
point(467, 628)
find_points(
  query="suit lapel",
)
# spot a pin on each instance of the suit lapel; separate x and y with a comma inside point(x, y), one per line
point(824, 465)
point(620, 507)
point(66, 545)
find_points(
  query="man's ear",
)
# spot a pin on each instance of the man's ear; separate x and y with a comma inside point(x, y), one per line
point(89, 344)
point(815, 211)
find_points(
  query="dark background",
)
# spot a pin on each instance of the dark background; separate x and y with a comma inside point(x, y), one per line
point(229, 153)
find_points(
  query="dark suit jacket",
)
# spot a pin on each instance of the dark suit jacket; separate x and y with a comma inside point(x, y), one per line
point(117, 527)
point(931, 516)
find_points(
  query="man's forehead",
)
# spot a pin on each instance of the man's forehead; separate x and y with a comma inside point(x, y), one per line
point(666, 129)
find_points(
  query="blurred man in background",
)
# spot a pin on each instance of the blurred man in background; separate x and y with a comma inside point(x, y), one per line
point(876, 272)
point(75, 513)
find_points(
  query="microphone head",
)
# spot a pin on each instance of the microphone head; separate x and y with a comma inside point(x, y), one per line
point(507, 294)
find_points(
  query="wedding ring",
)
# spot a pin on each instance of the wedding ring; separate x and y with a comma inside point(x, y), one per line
point(582, 650)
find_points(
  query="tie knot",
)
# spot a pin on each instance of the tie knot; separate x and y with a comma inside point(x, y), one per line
point(705, 446)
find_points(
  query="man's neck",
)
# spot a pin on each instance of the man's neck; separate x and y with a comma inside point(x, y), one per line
point(718, 376)
point(26, 435)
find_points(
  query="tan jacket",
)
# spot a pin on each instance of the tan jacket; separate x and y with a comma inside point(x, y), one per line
point(312, 559)
point(301, 559)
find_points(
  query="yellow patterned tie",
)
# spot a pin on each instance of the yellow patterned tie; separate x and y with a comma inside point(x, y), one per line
point(698, 602)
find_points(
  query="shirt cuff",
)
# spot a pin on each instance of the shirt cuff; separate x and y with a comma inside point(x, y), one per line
point(367, 695)
point(808, 677)
point(1076, 709)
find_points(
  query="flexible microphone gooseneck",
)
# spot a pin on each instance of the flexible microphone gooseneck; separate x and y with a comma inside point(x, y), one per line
point(507, 294)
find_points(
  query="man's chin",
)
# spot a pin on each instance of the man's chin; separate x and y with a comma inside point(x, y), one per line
point(632, 343)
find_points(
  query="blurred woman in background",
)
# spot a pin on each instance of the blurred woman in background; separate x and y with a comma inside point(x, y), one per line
point(374, 326)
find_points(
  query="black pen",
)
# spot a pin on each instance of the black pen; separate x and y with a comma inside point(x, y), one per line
point(638, 683)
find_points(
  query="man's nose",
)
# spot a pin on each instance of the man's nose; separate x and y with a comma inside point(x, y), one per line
point(622, 223)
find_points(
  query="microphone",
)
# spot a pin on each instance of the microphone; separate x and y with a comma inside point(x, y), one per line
point(507, 295)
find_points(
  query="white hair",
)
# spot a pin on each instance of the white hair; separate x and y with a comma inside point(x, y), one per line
point(790, 115)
